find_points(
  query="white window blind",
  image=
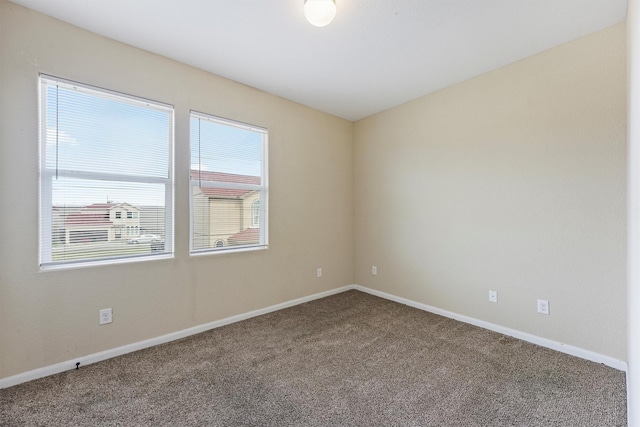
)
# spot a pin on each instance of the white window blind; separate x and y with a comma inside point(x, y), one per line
point(228, 185)
point(106, 175)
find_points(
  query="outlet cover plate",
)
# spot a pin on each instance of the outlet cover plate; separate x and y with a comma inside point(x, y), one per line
point(543, 306)
point(106, 316)
point(493, 296)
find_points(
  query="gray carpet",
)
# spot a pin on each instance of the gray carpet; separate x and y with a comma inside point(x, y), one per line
point(347, 360)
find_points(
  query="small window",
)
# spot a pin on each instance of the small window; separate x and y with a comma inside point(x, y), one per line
point(129, 215)
point(98, 146)
point(228, 174)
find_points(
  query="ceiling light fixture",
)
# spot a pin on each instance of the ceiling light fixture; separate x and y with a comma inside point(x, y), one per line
point(319, 12)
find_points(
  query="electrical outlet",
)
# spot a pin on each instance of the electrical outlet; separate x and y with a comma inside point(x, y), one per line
point(319, 272)
point(106, 316)
point(374, 270)
point(543, 306)
point(493, 296)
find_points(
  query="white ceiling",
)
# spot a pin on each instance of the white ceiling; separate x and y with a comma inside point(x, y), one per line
point(375, 55)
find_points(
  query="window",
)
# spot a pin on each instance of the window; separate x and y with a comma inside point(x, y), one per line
point(228, 176)
point(255, 213)
point(102, 152)
point(129, 215)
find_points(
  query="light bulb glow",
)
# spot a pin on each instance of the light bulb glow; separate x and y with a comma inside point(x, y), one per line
point(319, 12)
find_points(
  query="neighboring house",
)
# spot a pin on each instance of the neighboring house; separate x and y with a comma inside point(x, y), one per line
point(102, 222)
point(223, 216)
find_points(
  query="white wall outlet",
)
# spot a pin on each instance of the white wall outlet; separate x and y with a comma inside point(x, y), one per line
point(543, 306)
point(374, 270)
point(319, 272)
point(493, 296)
point(106, 316)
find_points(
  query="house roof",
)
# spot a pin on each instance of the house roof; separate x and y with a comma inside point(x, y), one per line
point(100, 206)
point(230, 193)
point(224, 177)
point(107, 206)
point(84, 219)
point(225, 193)
point(249, 235)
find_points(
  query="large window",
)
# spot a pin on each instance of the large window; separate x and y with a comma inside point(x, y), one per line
point(102, 154)
point(228, 185)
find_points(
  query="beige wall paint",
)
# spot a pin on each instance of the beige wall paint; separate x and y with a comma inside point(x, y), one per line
point(49, 317)
point(512, 181)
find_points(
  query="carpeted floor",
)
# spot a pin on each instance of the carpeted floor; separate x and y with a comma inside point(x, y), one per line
point(347, 360)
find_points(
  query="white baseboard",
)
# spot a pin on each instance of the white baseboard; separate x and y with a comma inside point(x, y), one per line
point(544, 342)
point(107, 354)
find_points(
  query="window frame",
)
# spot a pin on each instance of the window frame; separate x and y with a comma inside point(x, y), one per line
point(46, 176)
point(263, 188)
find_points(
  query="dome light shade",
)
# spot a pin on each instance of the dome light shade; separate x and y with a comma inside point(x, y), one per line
point(319, 12)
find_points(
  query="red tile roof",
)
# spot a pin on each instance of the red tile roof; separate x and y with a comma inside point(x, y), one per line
point(93, 220)
point(224, 177)
point(249, 235)
point(107, 206)
point(100, 206)
point(224, 192)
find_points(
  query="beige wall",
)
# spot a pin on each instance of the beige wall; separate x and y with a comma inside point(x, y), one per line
point(225, 218)
point(512, 181)
point(49, 317)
